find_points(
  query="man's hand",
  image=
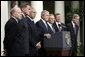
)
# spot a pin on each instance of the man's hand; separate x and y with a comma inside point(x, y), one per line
point(38, 45)
point(48, 35)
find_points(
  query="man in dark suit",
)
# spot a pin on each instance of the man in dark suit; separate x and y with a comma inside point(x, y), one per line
point(52, 31)
point(24, 33)
point(43, 29)
point(73, 28)
point(34, 43)
point(58, 25)
point(14, 41)
point(50, 24)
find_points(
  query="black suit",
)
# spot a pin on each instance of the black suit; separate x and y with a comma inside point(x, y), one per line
point(34, 37)
point(56, 28)
point(73, 37)
point(23, 27)
point(42, 26)
point(15, 38)
point(42, 29)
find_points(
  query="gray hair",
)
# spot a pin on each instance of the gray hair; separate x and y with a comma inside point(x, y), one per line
point(13, 9)
point(75, 15)
point(43, 12)
point(51, 14)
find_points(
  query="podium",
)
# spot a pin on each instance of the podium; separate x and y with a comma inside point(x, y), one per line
point(59, 44)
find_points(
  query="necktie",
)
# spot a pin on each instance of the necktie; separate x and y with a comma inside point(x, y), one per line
point(53, 29)
point(46, 26)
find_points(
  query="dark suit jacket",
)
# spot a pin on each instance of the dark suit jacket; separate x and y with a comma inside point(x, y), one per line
point(14, 41)
point(24, 32)
point(73, 35)
point(56, 28)
point(41, 27)
point(34, 36)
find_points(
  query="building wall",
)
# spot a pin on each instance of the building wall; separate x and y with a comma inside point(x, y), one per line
point(4, 18)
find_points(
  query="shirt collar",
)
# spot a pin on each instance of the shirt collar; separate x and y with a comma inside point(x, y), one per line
point(58, 23)
point(30, 18)
point(15, 18)
point(49, 24)
point(73, 23)
point(43, 20)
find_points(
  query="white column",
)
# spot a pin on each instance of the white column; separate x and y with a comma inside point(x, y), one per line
point(9, 8)
point(59, 8)
point(4, 18)
point(38, 5)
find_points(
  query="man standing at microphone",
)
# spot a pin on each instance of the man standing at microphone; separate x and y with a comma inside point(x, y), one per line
point(58, 26)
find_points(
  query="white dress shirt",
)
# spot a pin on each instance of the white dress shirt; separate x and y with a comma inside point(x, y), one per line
point(60, 28)
point(73, 24)
point(74, 27)
point(15, 19)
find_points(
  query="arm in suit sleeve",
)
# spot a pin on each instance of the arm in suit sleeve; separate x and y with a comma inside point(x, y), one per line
point(41, 33)
point(10, 32)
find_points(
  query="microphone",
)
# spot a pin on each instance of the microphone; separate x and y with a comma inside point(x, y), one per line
point(60, 28)
point(60, 25)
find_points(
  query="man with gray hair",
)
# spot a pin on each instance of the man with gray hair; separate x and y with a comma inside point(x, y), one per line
point(43, 28)
point(73, 28)
point(15, 35)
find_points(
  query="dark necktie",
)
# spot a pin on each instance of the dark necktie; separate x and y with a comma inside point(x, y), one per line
point(53, 28)
point(46, 26)
point(59, 27)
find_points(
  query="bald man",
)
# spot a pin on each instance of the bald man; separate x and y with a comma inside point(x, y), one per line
point(14, 42)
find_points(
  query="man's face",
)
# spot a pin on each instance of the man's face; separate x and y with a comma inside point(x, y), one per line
point(51, 19)
point(18, 13)
point(33, 13)
point(27, 10)
point(58, 18)
point(46, 16)
point(76, 20)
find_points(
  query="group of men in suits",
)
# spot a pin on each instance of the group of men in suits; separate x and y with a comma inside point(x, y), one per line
point(48, 25)
point(23, 37)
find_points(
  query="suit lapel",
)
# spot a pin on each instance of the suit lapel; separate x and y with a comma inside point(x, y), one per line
point(72, 28)
point(43, 25)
